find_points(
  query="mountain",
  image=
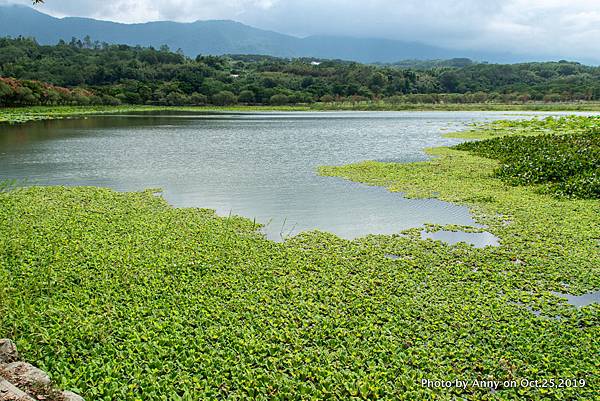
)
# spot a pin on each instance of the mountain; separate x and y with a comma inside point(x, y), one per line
point(220, 37)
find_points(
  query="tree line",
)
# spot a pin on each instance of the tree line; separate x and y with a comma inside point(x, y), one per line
point(14, 92)
point(101, 73)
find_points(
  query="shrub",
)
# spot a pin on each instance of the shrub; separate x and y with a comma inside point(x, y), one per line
point(198, 99)
point(279, 99)
point(224, 98)
point(247, 96)
point(177, 99)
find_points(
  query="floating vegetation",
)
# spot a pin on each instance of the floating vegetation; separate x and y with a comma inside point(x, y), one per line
point(530, 127)
point(566, 165)
point(121, 297)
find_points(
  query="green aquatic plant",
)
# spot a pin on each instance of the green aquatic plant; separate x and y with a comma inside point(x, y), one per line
point(123, 297)
point(6, 185)
point(11, 185)
point(567, 165)
point(530, 127)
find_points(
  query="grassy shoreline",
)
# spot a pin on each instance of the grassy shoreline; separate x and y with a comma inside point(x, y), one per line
point(121, 296)
point(25, 114)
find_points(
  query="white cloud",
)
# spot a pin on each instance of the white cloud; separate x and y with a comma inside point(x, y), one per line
point(570, 29)
point(151, 10)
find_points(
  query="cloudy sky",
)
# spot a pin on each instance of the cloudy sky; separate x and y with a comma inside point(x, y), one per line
point(565, 28)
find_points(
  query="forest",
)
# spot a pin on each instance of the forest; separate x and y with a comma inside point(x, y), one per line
point(82, 72)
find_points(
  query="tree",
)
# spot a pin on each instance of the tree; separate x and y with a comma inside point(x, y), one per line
point(246, 96)
point(279, 99)
point(449, 81)
point(224, 98)
point(134, 74)
point(198, 99)
point(177, 99)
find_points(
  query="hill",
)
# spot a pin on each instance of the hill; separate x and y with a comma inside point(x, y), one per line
point(218, 38)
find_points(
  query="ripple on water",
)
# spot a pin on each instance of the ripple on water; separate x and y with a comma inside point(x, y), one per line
point(258, 165)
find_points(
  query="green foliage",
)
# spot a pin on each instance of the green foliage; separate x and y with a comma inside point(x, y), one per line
point(198, 99)
point(122, 297)
point(279, 99)
point(247, 96)
point(429, 64)
point(224, 98)
point(8, 185)
point(136, 75)
point(567, 164)
point(14, 92)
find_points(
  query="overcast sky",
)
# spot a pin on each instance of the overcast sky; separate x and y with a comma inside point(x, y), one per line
point(566, 28)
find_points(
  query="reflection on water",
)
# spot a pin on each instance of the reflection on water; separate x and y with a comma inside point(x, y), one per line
point(261, 166)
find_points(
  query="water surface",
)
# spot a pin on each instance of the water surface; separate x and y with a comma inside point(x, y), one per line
point(478, 240)
point(258, 165)
point(580, 300)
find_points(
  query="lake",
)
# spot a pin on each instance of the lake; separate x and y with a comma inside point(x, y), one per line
point(258, 165)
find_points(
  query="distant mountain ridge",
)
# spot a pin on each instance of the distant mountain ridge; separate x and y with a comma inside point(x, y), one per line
point(218, 37)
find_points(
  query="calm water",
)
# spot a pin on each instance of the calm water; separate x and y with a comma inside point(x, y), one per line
point(261, 166)
point(479, 240)
point(580, 300)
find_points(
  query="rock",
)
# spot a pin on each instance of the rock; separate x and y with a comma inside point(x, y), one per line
point(14, 374)
point(8, 392)
point(8, 351)
point(27, 374)
point(70, 396)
